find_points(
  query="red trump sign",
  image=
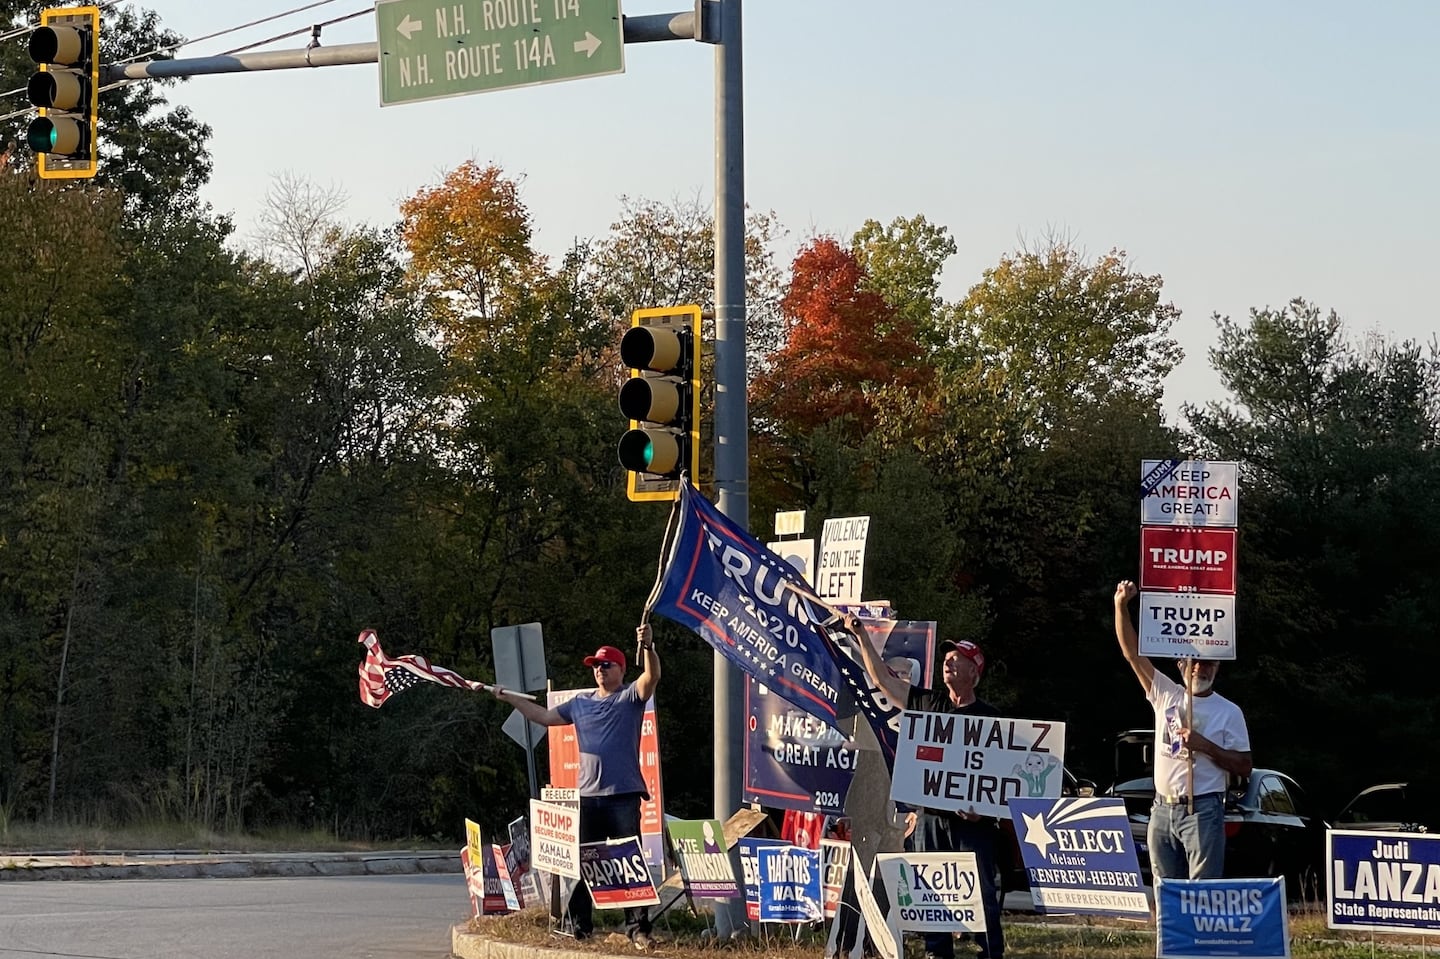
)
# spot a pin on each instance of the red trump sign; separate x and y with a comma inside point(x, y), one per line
point(1181, 559)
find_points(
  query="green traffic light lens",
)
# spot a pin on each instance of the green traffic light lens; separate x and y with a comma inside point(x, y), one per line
point(41, 136)
point(649, 453)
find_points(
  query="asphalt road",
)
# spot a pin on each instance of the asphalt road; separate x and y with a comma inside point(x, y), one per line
point(343, 917)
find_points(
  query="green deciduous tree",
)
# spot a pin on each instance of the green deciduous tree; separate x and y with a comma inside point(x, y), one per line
point(1338, 446)
point(1070, 334)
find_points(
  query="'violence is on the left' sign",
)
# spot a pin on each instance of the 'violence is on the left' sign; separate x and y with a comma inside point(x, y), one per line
point(431, 50)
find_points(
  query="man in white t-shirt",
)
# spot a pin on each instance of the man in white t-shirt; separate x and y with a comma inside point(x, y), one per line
point(1186, 844)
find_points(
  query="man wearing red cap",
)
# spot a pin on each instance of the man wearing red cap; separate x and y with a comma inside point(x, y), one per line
point(607, 731)
point(941, 830)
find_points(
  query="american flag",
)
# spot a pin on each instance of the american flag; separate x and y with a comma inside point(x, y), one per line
point(381, 677)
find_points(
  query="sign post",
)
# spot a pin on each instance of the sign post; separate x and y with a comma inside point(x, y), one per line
point(430, 51)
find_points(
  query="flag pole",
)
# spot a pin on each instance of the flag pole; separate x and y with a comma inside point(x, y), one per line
point(1190, 725)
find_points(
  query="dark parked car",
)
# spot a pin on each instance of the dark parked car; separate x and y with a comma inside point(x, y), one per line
point(1393, 807)
point(1271, 828)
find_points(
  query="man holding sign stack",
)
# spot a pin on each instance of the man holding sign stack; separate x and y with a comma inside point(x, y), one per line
point(940, 830)
point(1187, 821)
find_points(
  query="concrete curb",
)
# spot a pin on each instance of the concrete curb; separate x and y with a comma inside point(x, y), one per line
point(19, 867)
point(469, 945)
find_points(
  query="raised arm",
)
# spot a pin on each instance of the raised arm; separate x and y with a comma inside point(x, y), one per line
point(650, 678)
point(1128, 638)
point(896, 689)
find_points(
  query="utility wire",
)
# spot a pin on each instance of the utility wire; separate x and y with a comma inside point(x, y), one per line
point(183, 43)
point(296, 33)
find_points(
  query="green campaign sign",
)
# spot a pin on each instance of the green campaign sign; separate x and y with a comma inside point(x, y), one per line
point(430, 50)
point(699, 846)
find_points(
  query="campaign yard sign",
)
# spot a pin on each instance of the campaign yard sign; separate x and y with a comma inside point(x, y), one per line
point(841, 576)
point(617, 874)
point(1187, 626)
point(933, 891)
point(1188, 493)
point(1382, 881)
point(799, 553)
point(504, 882)
point(834, 864)
point(1079, 856)
point(699, 846)
point(555, 839)
point(517, 860)
point(790, 884)
point(750, 848)
point(792, 759)
point(1184, 559)
point(950, 761)
point(1221, 917)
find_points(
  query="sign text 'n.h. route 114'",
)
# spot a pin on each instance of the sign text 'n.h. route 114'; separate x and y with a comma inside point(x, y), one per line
point(430, 50)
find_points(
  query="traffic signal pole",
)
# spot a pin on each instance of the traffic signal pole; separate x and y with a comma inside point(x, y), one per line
point(644, 29)
point(712, 21)
point(732, 438)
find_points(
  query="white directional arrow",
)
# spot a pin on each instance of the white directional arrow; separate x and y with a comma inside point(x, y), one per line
point(408, 28)
point(589, 45)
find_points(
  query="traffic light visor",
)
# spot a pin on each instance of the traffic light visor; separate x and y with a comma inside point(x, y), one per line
point(57, 45)
point(650, 348)
point(56, 89)
point(649, 398)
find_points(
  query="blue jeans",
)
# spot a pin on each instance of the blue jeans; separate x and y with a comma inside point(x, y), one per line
point(1186, 845)
point(945, 832)
point(607, 817)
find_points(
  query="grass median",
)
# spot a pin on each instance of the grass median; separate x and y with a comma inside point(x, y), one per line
point(1027, 937)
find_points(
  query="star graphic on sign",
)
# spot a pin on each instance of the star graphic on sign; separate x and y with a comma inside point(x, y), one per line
point(1035, 832)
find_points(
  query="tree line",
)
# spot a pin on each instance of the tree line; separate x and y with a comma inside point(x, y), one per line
point(220, 462)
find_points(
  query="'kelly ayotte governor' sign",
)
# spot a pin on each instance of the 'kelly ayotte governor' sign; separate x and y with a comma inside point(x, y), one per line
point(1382, 881)
point(950, 761)
point(932, 891)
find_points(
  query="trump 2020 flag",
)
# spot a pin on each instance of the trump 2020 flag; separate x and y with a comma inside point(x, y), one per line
point(754, 608)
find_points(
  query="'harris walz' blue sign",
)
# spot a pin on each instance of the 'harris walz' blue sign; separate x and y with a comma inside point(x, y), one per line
point(790, 885)
point(1382, 881)
point(1222, 917)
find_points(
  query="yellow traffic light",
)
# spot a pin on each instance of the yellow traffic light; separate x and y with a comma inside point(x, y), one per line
point(662, 401)
point(66, 88)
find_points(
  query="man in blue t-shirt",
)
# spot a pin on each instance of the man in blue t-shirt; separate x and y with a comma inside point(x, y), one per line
point(607, 732)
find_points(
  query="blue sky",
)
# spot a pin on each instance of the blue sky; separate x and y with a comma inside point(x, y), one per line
point(1247, 152)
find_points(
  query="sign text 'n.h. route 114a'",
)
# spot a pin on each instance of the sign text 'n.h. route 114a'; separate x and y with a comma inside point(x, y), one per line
point(430, 50)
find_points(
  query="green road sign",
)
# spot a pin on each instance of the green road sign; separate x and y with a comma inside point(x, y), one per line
point(430, 49)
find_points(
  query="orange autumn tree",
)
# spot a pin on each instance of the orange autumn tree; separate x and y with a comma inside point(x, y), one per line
point(469, 236)
point(844, 346)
